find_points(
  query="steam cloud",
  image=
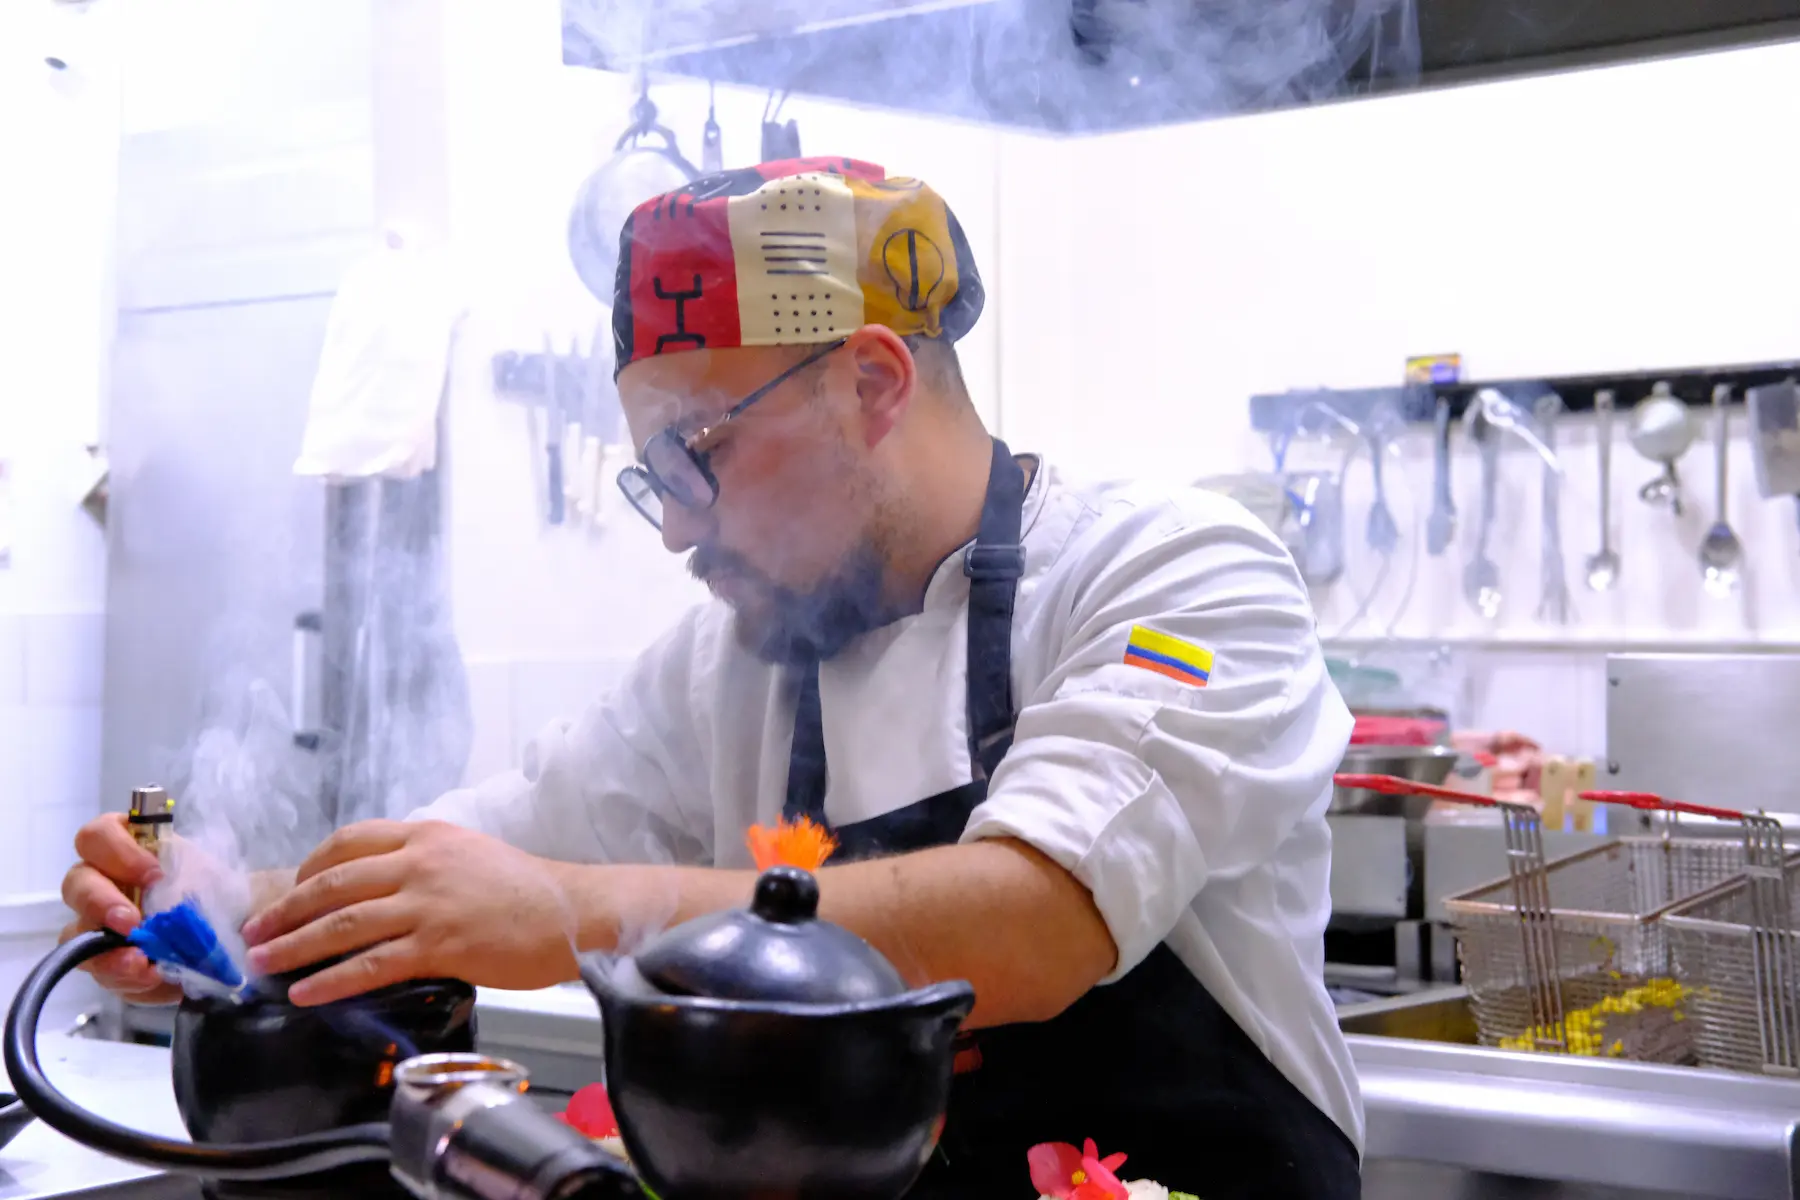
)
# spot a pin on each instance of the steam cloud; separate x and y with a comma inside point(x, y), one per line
point(397, 731)
point(1072, 66)
point(245, 799)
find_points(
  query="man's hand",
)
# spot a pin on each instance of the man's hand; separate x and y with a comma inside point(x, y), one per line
point(414, 900)
point(111, 861)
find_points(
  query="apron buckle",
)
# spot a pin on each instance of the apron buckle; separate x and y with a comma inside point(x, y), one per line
point(994, 562)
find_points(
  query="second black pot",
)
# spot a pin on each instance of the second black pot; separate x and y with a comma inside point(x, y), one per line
point(268, 1069)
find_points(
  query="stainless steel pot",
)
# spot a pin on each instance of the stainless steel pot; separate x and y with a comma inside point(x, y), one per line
point(1421, 764)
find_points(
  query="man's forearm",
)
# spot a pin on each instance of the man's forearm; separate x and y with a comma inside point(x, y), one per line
point(996, 913)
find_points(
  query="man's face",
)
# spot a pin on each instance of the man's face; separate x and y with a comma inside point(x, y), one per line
point(789, 544)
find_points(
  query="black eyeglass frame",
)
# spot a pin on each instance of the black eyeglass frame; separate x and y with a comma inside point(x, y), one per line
point(689, 445)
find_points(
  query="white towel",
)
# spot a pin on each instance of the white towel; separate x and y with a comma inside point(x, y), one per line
point(381, 373)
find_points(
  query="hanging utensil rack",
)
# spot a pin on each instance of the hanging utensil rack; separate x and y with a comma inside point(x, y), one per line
point(1277, 412)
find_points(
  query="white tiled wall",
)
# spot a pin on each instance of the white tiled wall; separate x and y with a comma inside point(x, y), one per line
point(55, 325)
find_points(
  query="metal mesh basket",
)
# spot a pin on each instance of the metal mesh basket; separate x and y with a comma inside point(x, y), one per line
point(1737, 945)
point(1575, 956)
point(1595, 975)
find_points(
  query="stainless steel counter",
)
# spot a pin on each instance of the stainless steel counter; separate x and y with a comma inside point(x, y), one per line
point(1446, 1120)
point(1432, 1097)
point(128, 1084)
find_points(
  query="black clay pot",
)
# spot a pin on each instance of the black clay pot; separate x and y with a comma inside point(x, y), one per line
point(762, 1052)
point(267, 1070)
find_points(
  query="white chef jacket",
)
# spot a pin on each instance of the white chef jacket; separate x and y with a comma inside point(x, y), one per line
point(1194, 815)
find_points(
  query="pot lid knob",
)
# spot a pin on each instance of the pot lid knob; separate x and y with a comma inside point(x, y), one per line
point(786, 895)
point(776, 950)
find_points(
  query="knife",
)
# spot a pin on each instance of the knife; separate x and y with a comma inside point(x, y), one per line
point(602, 415)
point(555, 430)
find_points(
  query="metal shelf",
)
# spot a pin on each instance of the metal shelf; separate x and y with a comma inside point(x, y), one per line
point(1417, 403)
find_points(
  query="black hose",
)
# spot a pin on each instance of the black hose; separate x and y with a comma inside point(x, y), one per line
point(243, 1160)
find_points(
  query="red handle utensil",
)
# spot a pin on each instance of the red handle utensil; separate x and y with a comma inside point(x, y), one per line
point(1393, 785)
point(1650, 801)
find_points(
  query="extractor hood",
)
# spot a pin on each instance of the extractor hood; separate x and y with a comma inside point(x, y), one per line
point(1090, 66)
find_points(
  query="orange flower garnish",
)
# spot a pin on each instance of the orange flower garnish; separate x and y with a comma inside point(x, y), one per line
point(804, 843)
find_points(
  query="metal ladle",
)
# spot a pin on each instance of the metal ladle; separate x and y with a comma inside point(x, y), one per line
point(1603, 564)
point(1488, 414)
point(1662, 432)
point(1384, 533)
point(1720, 550)
point(1481, 578)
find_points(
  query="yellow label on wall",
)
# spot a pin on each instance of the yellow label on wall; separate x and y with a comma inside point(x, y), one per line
point(1434, 368)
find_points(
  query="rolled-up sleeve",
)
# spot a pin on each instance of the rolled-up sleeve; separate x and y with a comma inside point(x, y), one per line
point(1145, 787)
point(622, 782)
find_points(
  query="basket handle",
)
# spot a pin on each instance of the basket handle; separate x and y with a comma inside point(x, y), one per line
point(1654, 803)
point(1393, 785)
point(1529, 877)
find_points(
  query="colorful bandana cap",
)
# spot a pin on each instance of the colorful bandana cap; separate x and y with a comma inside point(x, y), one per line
point(790, 253)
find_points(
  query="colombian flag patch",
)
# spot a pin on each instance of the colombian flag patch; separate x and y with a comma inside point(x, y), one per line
point(1181, 661)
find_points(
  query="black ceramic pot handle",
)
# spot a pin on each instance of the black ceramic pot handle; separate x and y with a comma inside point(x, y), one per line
point(244, 1160)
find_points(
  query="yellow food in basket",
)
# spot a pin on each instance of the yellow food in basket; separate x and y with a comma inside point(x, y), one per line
point(1586, 1027)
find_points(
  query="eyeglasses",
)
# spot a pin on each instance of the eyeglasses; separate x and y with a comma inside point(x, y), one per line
point(675, 465)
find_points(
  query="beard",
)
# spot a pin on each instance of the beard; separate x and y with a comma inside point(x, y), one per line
point(794, 628)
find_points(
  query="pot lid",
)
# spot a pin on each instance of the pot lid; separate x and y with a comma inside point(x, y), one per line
point(775, 950)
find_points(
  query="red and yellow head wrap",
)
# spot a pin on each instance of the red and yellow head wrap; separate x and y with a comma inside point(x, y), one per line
point(791, 253)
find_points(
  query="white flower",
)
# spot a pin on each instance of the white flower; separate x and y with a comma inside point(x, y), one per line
point(1144, 1189)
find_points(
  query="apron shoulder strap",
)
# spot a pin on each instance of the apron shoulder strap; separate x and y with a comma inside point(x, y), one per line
point(994, 565)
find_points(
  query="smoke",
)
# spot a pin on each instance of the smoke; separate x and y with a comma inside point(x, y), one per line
point(1070, 66)
point(246, 800)
point(259, 786)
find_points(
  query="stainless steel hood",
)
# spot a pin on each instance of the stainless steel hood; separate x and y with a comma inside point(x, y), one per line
point(1091, 66)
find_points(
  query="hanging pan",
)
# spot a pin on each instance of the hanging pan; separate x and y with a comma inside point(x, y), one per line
point(646, 162)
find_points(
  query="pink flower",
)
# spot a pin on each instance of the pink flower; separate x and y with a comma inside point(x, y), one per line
point(591, 1112)
point(1061, 1171)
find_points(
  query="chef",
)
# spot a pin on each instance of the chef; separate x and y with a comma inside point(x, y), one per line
point(1075, 742)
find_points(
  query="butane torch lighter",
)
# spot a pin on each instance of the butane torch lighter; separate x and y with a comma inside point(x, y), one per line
point(152, 815)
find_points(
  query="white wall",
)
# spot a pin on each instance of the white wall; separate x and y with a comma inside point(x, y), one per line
point(60, 143)
point(1626, 218)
